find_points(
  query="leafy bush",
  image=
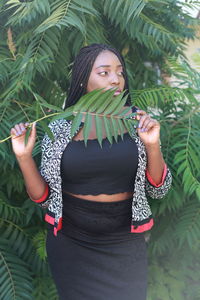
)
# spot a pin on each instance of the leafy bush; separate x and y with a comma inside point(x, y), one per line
point(39, 40)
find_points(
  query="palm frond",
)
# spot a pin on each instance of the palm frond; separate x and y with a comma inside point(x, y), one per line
point(17, 237)
point(26, 12)
point(41, 292)
point(64, 13)
point(188, 225)
point(39, 241)
point(125, 11)
point(102, 105)
point(39, 40)
point(12, 268)
point(132, 18)
point(10, 212)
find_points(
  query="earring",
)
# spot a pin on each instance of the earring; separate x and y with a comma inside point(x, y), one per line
point(81, 84)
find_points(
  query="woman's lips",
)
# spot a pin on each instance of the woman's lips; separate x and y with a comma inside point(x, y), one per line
point(117, 92)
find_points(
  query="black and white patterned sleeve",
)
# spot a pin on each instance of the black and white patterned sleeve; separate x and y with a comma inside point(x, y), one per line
point(45, 166)
point(159, 191)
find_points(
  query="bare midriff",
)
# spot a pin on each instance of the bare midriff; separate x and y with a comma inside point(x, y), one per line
point(104, 197)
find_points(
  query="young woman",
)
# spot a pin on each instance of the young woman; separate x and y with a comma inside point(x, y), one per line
point(96, 197)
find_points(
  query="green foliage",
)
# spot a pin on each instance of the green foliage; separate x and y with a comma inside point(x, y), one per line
point(15, 276)
point(39, 40)
point(44, 288)
point(110, 115)
point(175, 276)
point(39, 241)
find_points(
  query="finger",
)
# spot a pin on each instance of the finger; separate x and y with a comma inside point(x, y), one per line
point(147, 121)
point(145, 126)
point(142, 120)
point(150, 125)
point(141, 112)
point(153, 124)
point(33, 128)
point(18, 129)
point(13, 132)
point(32, 136)
point(22, 127)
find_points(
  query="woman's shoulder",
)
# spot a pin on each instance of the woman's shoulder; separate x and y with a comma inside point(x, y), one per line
point(59, 125)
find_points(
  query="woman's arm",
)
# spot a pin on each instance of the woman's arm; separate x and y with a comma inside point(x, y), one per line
point(36, 186)
point(155, 163)
point(149, 133)
point(158, 176)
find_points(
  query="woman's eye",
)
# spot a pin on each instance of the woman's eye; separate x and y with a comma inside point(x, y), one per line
point(121, 73)
point(103, 73)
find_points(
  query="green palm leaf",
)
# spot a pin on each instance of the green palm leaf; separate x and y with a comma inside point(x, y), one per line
point(37, 59)
point(98, 124)
point(108, 129)
point(65, 13)
point(121, 128)
point(115, 129)
point(88, 102)
point(87, 127)
point(11, 269)
point(40, 288)
point(102, 105)
point(39, 241)
point(76, 123)
point(10, 212)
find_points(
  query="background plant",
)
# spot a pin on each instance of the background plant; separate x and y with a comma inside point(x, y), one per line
point(39, 40)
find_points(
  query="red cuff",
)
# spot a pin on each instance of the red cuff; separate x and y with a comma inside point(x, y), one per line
point(142, 228)
point(44, 196)
point(162, 180)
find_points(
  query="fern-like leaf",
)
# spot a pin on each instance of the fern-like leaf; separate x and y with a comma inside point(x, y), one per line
point(11, 269)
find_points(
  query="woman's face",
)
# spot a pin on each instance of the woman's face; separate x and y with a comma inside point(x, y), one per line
point(106, 73)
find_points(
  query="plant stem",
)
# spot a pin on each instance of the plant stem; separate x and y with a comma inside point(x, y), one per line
point(40, 119)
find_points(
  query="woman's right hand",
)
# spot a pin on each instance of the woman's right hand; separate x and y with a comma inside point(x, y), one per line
point(18, 133)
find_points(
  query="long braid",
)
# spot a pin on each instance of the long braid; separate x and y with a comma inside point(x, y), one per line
point(82, 68)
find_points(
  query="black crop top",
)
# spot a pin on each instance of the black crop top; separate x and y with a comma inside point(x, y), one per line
point(93, 170)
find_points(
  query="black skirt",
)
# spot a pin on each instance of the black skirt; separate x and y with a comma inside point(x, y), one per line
point(94, 256)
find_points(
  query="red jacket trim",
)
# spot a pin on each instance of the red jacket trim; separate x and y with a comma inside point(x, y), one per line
point(59, 227)
point(162, 180)
point(49, 219)
point(44, 197)
point(142, 228)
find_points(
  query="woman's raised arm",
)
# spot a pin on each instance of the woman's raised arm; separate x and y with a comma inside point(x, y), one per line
point(35, 184)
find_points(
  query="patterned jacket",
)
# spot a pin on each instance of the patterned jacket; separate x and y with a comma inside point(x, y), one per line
point(52, 151)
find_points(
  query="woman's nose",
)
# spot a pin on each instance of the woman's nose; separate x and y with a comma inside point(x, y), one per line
point(114, 79)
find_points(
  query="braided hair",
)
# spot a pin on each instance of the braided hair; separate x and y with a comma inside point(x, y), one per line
point(82, 68)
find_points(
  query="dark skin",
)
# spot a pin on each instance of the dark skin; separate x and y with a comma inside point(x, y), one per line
point(106, 73)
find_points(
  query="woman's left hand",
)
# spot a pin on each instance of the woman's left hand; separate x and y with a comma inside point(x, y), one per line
point(148, 128)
